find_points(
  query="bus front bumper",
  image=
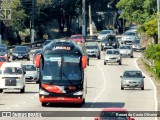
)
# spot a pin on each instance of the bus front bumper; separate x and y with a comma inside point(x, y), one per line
point(60, 99)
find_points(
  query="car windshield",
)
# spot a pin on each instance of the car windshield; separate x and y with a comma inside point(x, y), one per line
point(112, 52)
point(109, 115)
point(29, 67)
point(125, 47)
point(130, 33)
point(13, 70)
point(2, 59)
point(76, 37)
point(2, 50)
point(91, 47)
point(20, 49)
point(133, 74)
point(61, 67)
point(136, 41)
point(105, 32)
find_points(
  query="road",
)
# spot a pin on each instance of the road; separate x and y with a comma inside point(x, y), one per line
point(103, 91)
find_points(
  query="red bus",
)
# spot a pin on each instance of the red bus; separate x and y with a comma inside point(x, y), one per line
point(62, 66)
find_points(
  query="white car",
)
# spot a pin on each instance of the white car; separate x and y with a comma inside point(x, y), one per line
point(31, 73)
point(126, 50)
point(112, 56)
point(12, 77)
point(104, 34)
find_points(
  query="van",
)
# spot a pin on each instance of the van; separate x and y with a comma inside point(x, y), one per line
point(12, 76)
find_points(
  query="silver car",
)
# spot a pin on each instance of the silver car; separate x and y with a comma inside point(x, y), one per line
point(136, 46)
point(132, 79)
point(112, 56)
point(126, 51)
point(93, 50)
point(104, 34)
point(128, 37)
point(31, 73)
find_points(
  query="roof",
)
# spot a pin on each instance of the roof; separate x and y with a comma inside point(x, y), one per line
point(112, 49)
point(114, 109)
point(10, 64)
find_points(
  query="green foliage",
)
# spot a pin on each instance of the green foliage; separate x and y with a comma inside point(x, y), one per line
point(153, 53)
point(151, 27)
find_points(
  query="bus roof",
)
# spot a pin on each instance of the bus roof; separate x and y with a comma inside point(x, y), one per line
point(60, 46)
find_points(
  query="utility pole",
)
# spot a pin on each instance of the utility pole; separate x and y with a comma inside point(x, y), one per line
point(90, 20)
point(32, 21)
point(158, 10)
point(0, 23)
point(83, 18)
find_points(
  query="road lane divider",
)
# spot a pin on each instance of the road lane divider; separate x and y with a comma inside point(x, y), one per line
point(103, 87)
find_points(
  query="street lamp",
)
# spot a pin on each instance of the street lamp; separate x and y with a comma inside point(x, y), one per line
point(32, 23)
point(90, 20)
point(0, 24)
point(158, 10)
point(83, 18)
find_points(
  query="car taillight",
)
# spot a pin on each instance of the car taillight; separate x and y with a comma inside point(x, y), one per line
point(3, 77)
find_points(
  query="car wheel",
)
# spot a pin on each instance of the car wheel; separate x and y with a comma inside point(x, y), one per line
point(28, 59)
point(1, 90)
point(131, 56)
point(13, 59)
point(120, 63)
point(44, 104)
point(101, 49)
point(22, 90)
point(37, 81)
point(99, 57)
point(142, 88)
point(104, 63)
point(122, 88)
point(88, 62)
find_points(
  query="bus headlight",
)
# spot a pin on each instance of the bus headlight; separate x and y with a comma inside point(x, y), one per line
point(78, 93)
point(42, 92)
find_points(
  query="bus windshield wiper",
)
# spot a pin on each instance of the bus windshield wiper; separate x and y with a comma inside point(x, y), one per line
point(67, 78)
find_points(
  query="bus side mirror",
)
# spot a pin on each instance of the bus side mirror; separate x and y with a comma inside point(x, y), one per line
point(38, 57)
point(84, 61)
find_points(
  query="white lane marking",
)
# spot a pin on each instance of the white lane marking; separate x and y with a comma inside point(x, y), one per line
point(103, 88)
point(32, 97)
point(155, 89)
point(8, 108)
point(23, 102)
point(36, 94)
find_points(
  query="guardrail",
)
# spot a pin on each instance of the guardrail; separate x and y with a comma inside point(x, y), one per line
point(31, 45)
point(147, 62)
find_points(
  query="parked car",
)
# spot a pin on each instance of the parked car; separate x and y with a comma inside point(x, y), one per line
point(21, 52)
point(104, 34)
point(110, 40)
point(128, 37)
point(126, 51)
point(114, 114)
point(46, 42)
point(132, 79)
point(31, 73)
point(12, 77)
point(78, 38)
point(3, 59)
point(136, 46)
point(35, 54)
point(93, 50)
point(112, 56)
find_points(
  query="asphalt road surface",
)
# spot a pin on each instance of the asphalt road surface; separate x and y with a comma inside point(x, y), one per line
point(103, 91)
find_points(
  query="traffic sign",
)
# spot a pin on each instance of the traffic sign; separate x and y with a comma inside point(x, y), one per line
point(5, 14)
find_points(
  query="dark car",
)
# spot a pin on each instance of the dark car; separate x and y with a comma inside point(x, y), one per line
point(6, 49)
point(35, 54)
point(137, 46)
point(110, 40)
point(46, 42)
point(4, 52)
point(21, 52)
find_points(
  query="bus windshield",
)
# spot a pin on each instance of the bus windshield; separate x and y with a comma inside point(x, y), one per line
point(61, 68)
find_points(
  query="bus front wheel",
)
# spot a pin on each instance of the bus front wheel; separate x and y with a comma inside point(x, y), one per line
point(1, 90)
point(44, 104)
